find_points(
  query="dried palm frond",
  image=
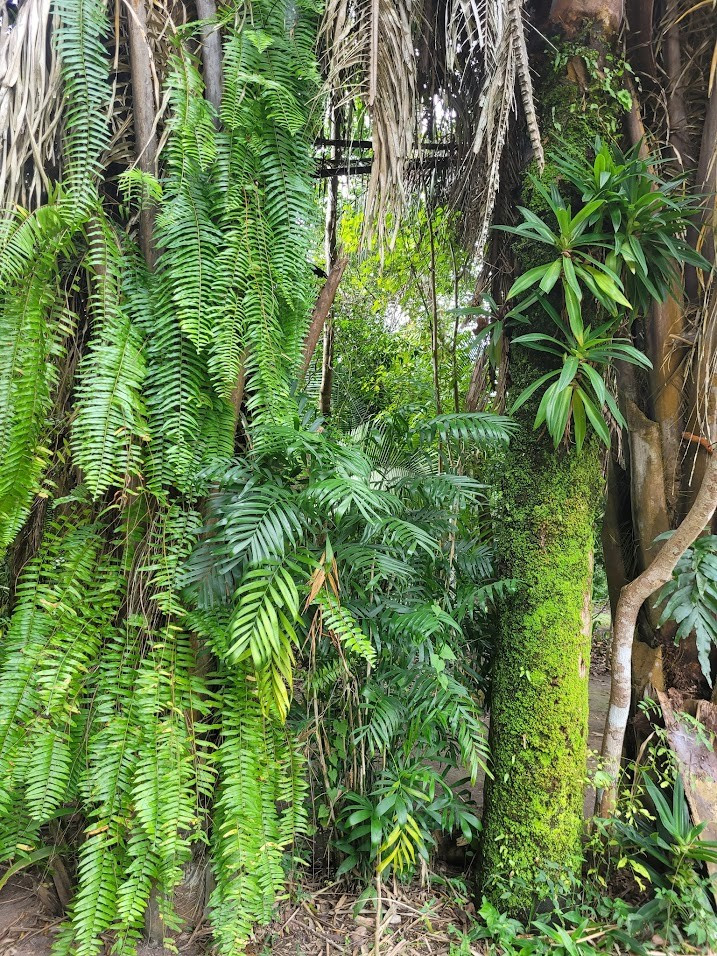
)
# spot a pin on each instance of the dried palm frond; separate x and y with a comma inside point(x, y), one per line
point(29, 99)
point(507, 63)
point(369, 53)
point(430, 73)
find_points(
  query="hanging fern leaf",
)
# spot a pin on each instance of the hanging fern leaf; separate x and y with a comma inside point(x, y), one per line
point(25, 378)
point(256, 769)
point(109, 424)
point(343, 626)
point(261, 630)
point(81, 29)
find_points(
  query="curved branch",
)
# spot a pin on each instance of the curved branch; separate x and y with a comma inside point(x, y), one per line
point(632, 597)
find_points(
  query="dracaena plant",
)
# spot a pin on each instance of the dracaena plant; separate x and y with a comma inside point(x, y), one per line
point(643, 215)
point(620, 250)
point(575, 393)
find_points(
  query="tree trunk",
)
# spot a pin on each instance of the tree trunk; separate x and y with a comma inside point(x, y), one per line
point(144, 114)
point(550, 499)
point(331, 251)
point(539, 702)
point(631, 600)
point(323, 305)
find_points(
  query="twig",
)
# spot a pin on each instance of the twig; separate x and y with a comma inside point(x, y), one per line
point(377, 936)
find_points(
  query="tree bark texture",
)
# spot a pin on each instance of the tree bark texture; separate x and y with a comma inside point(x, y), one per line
point(321, 310)
point(670, 412)
point(632, 598)
point(211, 53)
point(144, 114)
point(539, 703)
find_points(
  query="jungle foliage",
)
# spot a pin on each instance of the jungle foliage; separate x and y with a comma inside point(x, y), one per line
point(236, 631)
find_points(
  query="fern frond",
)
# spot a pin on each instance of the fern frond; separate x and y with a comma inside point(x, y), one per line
point(260, 522)
point(480, 428)
point(109, 422)
point(25, 380)
point(261, 630)
point(81, 29)
point(344, 628)
point(256, 769)
point(51, 640)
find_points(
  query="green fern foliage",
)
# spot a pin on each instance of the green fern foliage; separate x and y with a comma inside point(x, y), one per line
point(344, 628)
point(81, 29)
point(259, 771)
point(66, 602)
point(198, 533)
point(265, 163)
point(109, 422)
point(25, 380)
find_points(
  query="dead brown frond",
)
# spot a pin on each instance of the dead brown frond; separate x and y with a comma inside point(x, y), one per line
point(29, 102)
point(438, 80)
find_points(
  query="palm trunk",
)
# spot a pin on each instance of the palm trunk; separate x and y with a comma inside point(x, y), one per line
point(539, 700)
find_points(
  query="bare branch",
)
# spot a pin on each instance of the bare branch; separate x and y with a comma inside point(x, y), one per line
point(632, 597)
point(323, 304)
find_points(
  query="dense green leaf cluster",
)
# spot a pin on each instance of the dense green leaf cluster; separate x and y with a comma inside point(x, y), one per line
point(323, 546)
point(122, 717)
point(621, 251)
point(690, 598)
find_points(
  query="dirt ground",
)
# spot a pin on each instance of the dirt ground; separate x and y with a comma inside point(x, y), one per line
point(414, 921)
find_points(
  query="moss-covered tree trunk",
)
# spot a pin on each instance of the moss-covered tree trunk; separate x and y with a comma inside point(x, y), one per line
point(539, 701)
point(539, 708)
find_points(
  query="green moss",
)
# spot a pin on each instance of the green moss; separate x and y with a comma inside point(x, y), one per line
point(534, 808)
point(539, 702)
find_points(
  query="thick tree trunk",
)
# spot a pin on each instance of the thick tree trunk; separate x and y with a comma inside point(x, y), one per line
point(539, 703)
point(539, 699)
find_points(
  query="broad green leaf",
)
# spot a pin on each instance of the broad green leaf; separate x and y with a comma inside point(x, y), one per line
point(579, 420)
point(551, 276)
point(531, 389)
point(527, 280)
point(575, 318)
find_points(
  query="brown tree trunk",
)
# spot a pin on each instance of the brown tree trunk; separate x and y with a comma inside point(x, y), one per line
point(211, 53)
point(327, 369)
point(331, 256)
point(533, 816)
point(321, 310)
point(144, 114)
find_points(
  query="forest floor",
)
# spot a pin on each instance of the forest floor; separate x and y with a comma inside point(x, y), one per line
point(320, 921)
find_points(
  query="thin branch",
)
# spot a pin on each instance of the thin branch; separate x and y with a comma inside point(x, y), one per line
point(632, 597)
point(323, 304)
